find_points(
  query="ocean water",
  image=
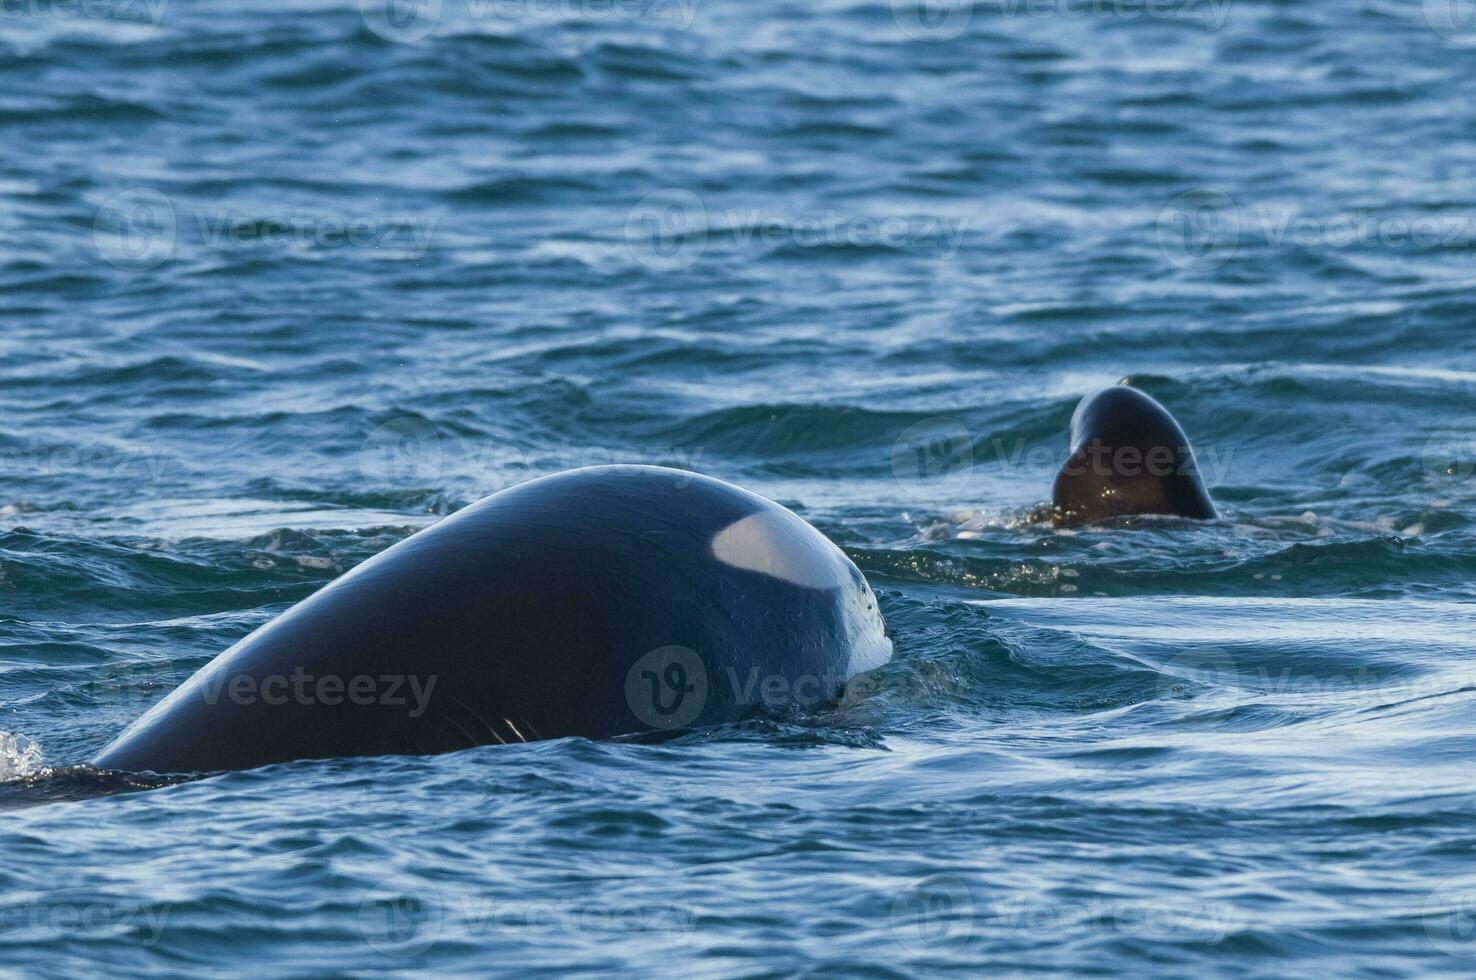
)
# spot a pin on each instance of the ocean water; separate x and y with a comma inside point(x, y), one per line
point(283, 282)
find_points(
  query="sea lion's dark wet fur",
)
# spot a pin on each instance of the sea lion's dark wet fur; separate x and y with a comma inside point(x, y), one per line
point(1128, 456)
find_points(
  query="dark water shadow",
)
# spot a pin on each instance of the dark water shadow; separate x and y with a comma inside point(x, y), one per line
point(60, 784)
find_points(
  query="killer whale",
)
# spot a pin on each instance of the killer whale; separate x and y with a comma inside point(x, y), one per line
point(1128, 456)
point(597, 602)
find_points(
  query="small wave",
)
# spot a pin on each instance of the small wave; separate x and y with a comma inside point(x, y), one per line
point(92, 109)
point(518, 189)
point(773, 429)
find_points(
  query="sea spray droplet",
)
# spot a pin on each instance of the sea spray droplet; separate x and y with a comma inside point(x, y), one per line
point(19, 757)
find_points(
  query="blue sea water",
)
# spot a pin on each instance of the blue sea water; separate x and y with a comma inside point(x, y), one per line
point(283, 282)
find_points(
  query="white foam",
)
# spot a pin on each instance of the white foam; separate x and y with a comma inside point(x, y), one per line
point(19, 757)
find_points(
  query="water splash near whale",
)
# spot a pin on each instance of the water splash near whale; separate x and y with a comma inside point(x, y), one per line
point(20, 757)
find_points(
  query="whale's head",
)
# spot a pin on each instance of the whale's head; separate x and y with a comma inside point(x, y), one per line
point(1128, 456)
